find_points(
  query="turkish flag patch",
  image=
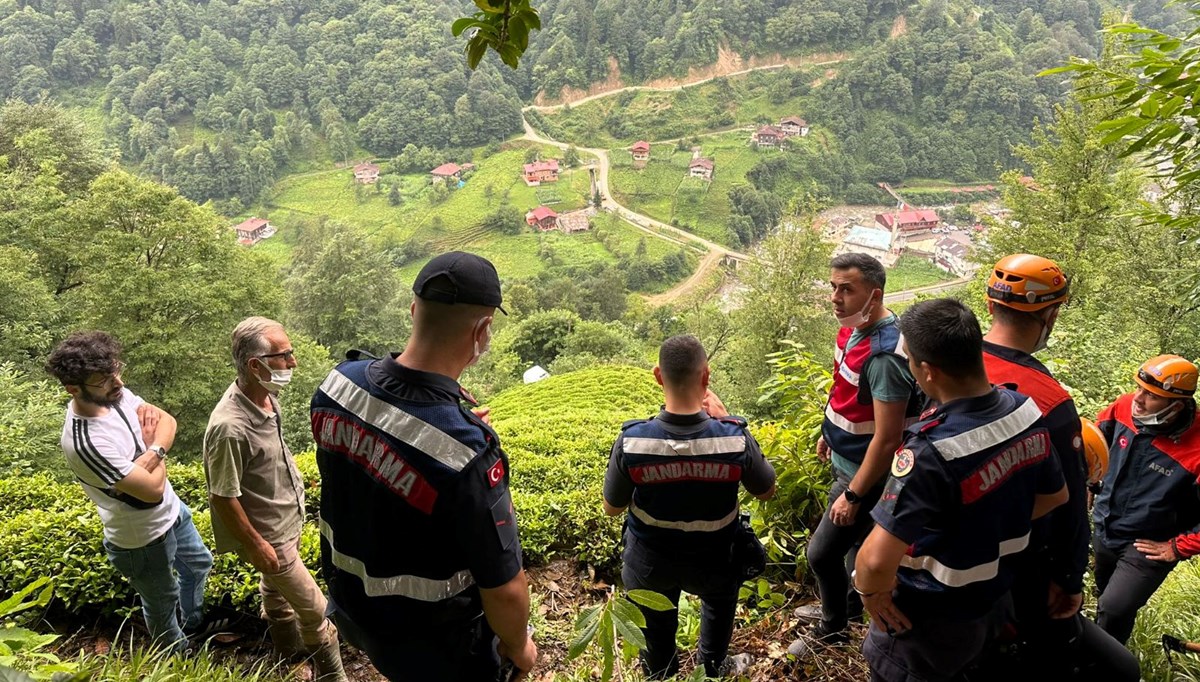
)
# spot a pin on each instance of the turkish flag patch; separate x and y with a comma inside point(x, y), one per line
point(496, 473)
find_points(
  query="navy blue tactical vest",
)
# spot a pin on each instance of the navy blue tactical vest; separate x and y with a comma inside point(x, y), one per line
point(387, 526)
point(685, 486)
point(963, 563)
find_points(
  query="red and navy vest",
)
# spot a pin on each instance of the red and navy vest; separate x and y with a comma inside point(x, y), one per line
point(685, 492)
point(1150, 489)
point(1064, 534)
point(849, 423)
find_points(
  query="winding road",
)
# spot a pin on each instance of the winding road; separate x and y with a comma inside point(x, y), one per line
point(714, 253)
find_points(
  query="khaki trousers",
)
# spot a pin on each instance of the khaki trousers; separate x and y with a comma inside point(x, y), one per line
point(293, 594)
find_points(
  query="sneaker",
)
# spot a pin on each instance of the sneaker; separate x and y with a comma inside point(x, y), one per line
point(810, 613)
point(824, 634)
point(816, 637)
point(212, 624)
point(737, 664)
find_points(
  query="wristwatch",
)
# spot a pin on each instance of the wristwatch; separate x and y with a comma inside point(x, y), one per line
point(852, 497)
point(158, 450)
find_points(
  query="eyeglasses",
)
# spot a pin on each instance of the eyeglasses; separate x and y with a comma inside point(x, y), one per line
point(286, 355)
point(115, 376)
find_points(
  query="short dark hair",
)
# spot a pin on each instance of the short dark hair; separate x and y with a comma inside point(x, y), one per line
point(871, 269)
point(82, 354)
point(681, 357)
point(944, 333)
point(1019, 318)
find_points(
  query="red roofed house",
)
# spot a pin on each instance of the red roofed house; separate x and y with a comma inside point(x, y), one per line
point(641, 150)
point(701, 168)
point(541, 171)
point(252, 231)
point(793, 126)
point(446, 170)
point(912, 220)
point(543, 218)
point(767, 136)
point(366, 173)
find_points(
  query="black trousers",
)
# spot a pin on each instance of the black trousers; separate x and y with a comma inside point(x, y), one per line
point(466, 653)
point(1126, 580)
point(709, 577)
point(831, 553)
point(1062, 649)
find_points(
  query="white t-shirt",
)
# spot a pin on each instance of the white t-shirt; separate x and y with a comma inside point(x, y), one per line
point(100, 451)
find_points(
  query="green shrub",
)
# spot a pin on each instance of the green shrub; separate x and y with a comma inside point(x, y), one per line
point(31, 422)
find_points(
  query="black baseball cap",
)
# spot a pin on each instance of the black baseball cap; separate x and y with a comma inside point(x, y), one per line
point(459, 277)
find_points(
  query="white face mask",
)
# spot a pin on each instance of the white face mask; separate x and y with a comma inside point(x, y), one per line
point(1155, 418)
point(1044, 336)
point(487, 344)
point(860, 318)
point(279, 379)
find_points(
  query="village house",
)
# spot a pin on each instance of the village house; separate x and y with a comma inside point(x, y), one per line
point(793, 126)
point(908, 221)
point(366, 173)
point(640, 150)
point(543, 218)
point(252, 231)
point(873, 242)
point(951, 254)
point(446, 171)
point(768, 137)
point(541, 171)
point(701, 168)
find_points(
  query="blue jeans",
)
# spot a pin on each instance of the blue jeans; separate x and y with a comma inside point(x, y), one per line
point(170, 604)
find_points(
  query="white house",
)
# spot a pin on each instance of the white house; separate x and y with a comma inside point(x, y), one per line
point(535, 374)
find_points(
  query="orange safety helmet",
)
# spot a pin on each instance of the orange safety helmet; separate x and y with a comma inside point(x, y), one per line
point(1025, 282)
point(1169, 376)
point(1095, 450)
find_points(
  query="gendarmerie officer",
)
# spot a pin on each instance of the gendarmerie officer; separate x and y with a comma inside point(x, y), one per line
point(418, 538)
point(678, 475)
point(958, 505)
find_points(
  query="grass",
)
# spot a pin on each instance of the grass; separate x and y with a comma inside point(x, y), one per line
point(620, 120)
point(911, 272)
point(453, 222)
point(664, 191)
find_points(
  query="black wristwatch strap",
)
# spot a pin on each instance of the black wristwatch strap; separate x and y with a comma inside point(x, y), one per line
point(851, 496)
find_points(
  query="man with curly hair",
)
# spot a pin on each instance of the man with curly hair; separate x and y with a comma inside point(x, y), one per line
point(116, 445)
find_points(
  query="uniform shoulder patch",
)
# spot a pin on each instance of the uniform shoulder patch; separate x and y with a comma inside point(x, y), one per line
point(466, 395)
point(633, 422)
point(902, 462)
point(740, 421)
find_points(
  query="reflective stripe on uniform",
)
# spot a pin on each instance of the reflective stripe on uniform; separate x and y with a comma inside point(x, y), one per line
point(856, 428)
point(848, 374)
point(668, 447)
point(396, 422)
point(989, 435)
point(959, 577)
point(705, 526)
point(411, 586)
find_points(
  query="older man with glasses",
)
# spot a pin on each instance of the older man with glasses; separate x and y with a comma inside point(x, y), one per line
point(116, 445)
point(257, 496)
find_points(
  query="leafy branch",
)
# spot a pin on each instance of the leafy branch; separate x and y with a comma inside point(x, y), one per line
point(502, 25)
point(616, 625)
